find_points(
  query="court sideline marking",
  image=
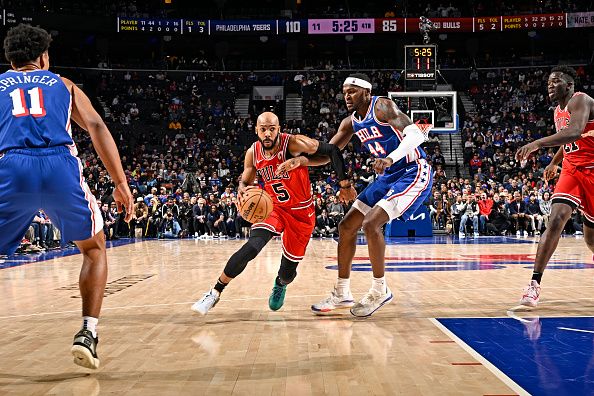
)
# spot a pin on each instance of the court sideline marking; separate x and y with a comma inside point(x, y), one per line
point(490, 366)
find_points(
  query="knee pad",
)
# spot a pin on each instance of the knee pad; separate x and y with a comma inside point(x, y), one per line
point(287, 271)
point(237, 263)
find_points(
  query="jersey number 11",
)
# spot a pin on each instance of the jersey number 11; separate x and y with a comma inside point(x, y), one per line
point(19, 105)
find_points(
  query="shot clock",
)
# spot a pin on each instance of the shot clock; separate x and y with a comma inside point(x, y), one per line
point(420, 62)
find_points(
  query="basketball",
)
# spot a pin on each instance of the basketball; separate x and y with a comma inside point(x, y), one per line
point(256, 206)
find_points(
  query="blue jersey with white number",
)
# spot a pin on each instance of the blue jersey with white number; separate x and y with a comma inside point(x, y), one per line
point(35, 110)
point(380, 138)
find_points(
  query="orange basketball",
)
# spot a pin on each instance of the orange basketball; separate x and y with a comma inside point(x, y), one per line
point(256, 205)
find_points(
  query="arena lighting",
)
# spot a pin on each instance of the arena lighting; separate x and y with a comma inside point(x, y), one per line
point(264, 39)
point(532, 34)
point(348, 37)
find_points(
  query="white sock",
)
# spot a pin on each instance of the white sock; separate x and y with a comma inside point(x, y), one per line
point(379, 284)
point(343, 286)
point(90, 323)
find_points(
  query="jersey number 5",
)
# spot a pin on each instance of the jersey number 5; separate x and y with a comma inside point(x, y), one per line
point(19, 105)
point(281, 194)
point(571, 147)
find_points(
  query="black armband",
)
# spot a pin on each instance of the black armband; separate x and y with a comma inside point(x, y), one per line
point(332, 151)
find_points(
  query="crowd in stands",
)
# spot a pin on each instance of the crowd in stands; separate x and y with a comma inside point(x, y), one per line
point(182, 147)
point(503, 196)
point(305, 9)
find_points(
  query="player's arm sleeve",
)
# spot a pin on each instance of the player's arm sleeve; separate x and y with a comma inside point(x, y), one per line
point(340, 139)
point(336, 160)
point(413, 138)
point(304, 145)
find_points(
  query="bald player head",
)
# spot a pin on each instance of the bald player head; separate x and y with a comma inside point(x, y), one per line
point(267, 129)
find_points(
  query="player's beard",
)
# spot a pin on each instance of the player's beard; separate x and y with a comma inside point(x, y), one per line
point(274, 143)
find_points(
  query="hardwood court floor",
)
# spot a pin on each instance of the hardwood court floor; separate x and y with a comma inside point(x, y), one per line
point(152, 344)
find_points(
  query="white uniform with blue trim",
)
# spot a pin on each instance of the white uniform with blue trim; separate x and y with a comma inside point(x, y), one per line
point(38, 164)
point(406, 184)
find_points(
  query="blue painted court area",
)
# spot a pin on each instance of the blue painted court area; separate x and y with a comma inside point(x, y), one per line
point(23, 259)
point(544, 356)
point(451, 240)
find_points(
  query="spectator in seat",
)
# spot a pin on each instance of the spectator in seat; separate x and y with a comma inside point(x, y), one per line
point(335, 209)
point(199, 212)
point(517, 210)
point(545, 209)
point(215, 221)
point(485, 207)
point(533, 214)
point(108, 221)
point(169, 227)
point(470, 212)
point(325, 225)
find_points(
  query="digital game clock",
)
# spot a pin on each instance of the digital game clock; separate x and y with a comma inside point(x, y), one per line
point(420, 62)
point(341, 26)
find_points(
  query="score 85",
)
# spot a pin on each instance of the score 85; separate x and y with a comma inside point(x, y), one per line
point(389, 25)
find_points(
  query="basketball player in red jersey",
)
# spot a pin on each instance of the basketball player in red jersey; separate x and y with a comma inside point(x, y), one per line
point(574, 122)
point(293, 215)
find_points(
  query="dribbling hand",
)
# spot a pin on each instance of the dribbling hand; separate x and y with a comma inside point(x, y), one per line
point(380, 165)
point(241, 191)
point(124, 200)
point(347, 195)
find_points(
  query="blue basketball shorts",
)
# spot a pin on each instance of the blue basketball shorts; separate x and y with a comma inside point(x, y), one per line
point(401, 193)
point(50, 179)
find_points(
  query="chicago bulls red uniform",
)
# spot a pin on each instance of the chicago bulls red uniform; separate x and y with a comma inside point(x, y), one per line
point(576, 182)
point(293, 215)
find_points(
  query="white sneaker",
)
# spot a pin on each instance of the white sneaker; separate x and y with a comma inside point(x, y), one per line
point(333, 303)
point(209, 300)
point(518, 233)
point(476, 234)
point(531, 295)
point(525, 234)
point(579, 233)
point(371, 302)
point(462, 235)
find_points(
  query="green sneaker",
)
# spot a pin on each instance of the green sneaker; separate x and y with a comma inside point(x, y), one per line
point(277, 297)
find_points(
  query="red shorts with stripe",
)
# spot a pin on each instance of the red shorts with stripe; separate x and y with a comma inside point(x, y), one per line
point(295, 226)
point(576, 188)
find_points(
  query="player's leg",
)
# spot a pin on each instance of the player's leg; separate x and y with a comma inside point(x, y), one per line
point(19, 198)
point(567, 196)
point(347, 240)
point(294, 241)
point(92, 280)
point(403, 198)
point(560, 213)
point(341, 296)
point(379, 293)
point(259, 237)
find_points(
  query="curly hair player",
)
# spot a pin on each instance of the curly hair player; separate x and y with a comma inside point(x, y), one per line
point(39, 168)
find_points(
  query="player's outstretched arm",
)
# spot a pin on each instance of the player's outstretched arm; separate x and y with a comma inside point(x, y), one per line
point(386, 111)
point(579, 108)
point(87, 118)
point(340, 139)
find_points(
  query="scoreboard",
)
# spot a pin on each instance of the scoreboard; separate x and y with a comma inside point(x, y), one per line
point(354, 25)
